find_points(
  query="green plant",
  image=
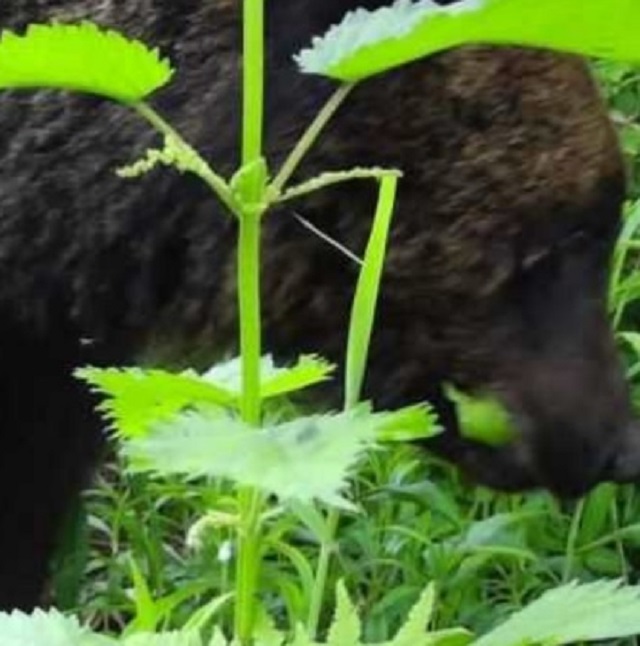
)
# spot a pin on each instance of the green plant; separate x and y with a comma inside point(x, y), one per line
point(224, 430)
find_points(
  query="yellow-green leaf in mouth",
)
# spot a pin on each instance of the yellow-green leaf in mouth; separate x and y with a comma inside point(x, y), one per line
point(368, 42)
point(81, 58)
point(483, 419)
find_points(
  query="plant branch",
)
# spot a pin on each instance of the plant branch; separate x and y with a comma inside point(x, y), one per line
point(309, 137)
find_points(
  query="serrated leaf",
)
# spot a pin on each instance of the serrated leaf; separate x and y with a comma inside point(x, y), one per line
point(407, 424)
point(275, 380)
point(309, 370)
point(81, 58)
point(301, 638)
point(572, 613)
point(345, 629)
point(369, 42)
point(414, 630)
point(218, 638)
point(265, 632)
point(137, 399)
point(308, 458)
point(46, 628)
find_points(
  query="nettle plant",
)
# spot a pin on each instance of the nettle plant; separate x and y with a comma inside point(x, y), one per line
point(215, 424)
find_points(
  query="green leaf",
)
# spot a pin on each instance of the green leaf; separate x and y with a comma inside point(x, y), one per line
point(407, 424)
point(482, 418)
point(275, 381)
point(146, 615)
point(369, 42)
point(345, 628)
point(81, 58)
point(138, 399)
point(449, 637)
point(203, 615)
point(266, 633)
point(308, 458)
point(301, 638)
point(47, 629)
point(572, 613)
point(366, 297)
point(218, 638)
point(414, 630)
point(308, 371)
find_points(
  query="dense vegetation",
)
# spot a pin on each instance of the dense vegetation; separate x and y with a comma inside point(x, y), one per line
point(487, 553)
point(153, 554)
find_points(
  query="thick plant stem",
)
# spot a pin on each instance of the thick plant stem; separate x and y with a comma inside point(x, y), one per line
point(253, 80)
point(250, 500)
point(249, 310)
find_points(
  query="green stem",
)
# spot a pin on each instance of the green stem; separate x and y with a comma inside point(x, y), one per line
point(248, 564)
point(572, 541)
point(249, 311)
point(250, 500)
point(198, 166)
point(253, 80)
point(309, 138)
point(615, 521)
point(327, 549)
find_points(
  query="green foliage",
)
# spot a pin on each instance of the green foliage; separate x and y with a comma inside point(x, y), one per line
point(370, 42)
point(572, 613)
point(81, 58)
point(487, 554)
point(305, 459)
point(308, 458)
point(274, 381)
point(50, 628)
point(366, 296)
point(138, 398)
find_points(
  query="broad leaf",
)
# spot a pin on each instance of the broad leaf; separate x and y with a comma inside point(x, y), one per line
point(46, 629)
point(572, 613)
point(369, 42)
point(82, 58)
point(137, 399)
point(275, 380)
point(308, 458)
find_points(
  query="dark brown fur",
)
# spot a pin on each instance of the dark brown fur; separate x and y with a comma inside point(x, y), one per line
point(495, 279)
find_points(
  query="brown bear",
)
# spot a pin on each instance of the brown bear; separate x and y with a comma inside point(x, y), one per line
point(495, 279)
